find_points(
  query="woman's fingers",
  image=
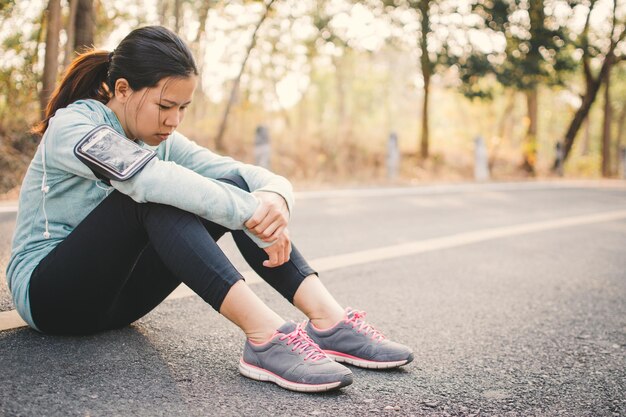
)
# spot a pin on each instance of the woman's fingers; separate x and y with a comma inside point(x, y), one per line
point(272, 253)
point(286, 246)
point(265, 221)
point(270, 263)
point(275, 259)
point(269, 224)
point(285, 235)
point(273, 232)
point(279, 252)
point(287, 252)
point(259, 214)
point(277, 233)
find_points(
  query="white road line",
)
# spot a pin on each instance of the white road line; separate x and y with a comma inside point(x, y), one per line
point(446, 242)
point(11, 320)
point(8, 209)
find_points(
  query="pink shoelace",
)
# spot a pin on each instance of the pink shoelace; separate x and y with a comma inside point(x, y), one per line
point(303, 344)
point(357, 319)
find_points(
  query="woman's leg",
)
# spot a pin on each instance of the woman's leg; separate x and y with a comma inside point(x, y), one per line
point(343, 333)
point(244, 308)
point(150, 284)
point(96, 278)
point(295, 280)
point(317, 303)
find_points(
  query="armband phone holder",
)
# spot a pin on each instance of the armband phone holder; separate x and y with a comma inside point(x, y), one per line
point(111, 156)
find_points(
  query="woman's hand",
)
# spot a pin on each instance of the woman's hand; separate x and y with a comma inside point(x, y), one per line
point(270, 219)
point(279, 252)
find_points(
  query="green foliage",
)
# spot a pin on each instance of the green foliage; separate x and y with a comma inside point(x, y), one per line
point(474, 71)
point(5, 5)
point(537, 50)
point(18, 95)
point(347, 96)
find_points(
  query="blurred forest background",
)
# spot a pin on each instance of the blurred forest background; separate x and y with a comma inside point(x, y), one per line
point(331, 80)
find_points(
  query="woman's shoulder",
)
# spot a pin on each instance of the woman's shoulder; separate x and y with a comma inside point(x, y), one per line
point(77, 119)
point(80, 112)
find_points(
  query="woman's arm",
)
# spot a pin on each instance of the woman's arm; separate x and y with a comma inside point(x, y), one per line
point(211, 165)
point(166, 182)
point(159, 182)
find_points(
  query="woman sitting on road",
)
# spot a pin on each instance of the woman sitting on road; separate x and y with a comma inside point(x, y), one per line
point(88, 256)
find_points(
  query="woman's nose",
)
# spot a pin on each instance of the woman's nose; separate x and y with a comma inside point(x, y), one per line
point(172, 119)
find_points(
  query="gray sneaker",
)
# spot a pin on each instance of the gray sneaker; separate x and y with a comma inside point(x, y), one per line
point(356, 342)
point(293, 361)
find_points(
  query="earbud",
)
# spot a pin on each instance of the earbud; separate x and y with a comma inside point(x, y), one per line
point(45, 189)
point(46, 235)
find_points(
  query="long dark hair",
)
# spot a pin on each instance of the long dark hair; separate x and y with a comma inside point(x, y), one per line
point(143, 58)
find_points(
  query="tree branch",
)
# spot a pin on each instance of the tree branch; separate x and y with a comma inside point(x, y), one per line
point(614, 23)
point(621, 37)
point(585, 45)
point(233, 92)
point(202, 17)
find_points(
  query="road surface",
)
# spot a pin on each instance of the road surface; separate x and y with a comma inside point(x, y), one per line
point(513, 297)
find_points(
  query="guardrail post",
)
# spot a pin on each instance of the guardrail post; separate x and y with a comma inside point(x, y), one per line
point(262, 147)
point(481, 162)
point(393, 156)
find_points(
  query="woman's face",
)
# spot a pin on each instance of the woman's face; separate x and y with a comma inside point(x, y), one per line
point(153, 113)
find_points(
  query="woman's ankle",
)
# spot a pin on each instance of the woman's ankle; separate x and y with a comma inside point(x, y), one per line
point(261, 336)
point(325, 322)
point(249, 313)
point(316, 302)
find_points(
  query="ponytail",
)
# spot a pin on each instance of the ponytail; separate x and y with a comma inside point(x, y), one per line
point(85, 78)
point(144, 57)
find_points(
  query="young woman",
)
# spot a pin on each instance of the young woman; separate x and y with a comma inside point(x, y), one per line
point(88, 256)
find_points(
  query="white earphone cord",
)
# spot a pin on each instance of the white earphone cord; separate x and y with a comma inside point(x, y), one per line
point(44, 188)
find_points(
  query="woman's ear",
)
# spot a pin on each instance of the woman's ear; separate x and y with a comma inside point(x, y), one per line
point(122, 90)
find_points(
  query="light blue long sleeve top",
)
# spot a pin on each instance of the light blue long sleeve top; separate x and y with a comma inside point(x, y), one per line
point(182, 175)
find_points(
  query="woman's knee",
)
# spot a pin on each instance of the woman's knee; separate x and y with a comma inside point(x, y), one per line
point(236, 180)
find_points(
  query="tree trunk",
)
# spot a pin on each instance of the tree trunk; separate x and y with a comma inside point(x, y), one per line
point(203, 14)
point(283, 111)
point(163, 6)
point(176, 16)
point(621, 126)
point(424, 142)
point(219, 138)
point(51, 60)
point(593, 86)
point(586, 137)
point(85, 22)
point(530, 141)
point(71, 33)
point(341, 97)
point(424, 8)
point(40, 37)
point(606, 127)
point(197, 46)
point(505, 120)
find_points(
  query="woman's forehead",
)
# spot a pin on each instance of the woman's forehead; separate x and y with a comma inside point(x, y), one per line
point(175, 89)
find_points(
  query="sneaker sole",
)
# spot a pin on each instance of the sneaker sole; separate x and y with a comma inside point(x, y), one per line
point(260, 374)
point(364, 363)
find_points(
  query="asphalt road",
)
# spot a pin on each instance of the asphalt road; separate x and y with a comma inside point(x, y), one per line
point(530, 320)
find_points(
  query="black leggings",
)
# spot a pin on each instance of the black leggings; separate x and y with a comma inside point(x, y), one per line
point(125, 258)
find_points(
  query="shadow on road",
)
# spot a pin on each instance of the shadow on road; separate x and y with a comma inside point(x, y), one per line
point(120, 370)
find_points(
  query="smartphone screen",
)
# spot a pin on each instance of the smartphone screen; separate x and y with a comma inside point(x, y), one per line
point(115, 152)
